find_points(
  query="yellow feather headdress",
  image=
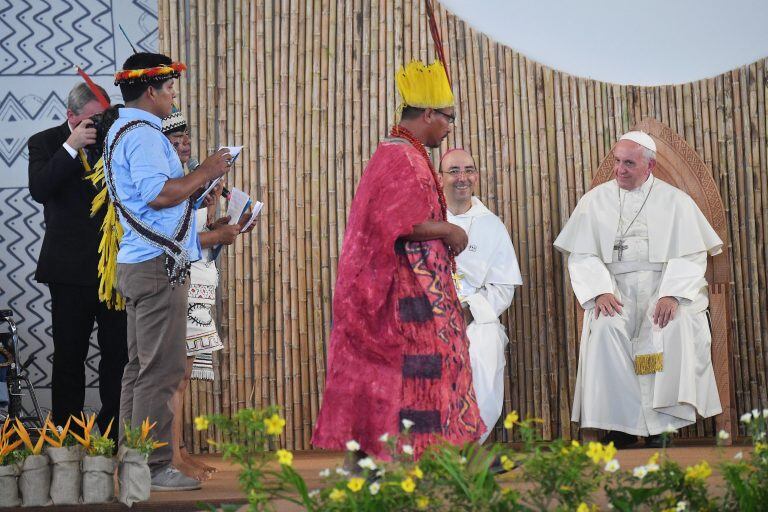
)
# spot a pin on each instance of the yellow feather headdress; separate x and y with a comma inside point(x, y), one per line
point(423, 86)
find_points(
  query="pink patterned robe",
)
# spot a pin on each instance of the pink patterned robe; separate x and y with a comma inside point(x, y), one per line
point(398, 348)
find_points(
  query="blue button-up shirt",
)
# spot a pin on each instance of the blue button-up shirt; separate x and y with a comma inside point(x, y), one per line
point(142, 162)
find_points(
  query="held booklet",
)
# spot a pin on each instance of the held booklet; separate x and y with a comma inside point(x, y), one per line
point(234, 152)
point(239, 202)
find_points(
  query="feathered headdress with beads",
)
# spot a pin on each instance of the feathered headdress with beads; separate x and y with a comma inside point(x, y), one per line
point(154, 74)
point(424, 86)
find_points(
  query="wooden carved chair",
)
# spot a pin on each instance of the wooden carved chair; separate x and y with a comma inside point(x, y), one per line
point(678, 164)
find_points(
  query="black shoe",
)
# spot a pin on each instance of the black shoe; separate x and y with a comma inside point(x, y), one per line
point(619, 439)
point(657, 441)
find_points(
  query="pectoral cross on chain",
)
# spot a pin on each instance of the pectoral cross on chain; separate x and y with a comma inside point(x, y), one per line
point(620, 246)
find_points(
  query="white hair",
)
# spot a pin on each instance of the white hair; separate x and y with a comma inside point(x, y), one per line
point(649, 154)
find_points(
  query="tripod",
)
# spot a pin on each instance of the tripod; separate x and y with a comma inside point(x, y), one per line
point(17, 373)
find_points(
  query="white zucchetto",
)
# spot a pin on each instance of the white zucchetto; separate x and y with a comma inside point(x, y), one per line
point(641, 138)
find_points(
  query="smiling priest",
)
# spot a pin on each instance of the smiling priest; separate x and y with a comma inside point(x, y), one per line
point(637, 253)
point(488, 273)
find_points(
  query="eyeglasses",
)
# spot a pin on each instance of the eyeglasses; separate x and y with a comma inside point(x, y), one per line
point(455, 173)
point(451, 118)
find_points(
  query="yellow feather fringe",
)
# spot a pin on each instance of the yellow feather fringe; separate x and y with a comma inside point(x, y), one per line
point(646, 364)
point(111, 234)
point(424, 86)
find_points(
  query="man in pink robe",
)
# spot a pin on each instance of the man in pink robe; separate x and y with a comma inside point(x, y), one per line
point(398, 349)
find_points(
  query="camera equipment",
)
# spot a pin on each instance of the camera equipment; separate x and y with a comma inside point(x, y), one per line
point(102, 122)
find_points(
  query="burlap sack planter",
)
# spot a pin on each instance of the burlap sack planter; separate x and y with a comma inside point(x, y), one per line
point(98, 479)
point(66, 479)
point(35, 481)
point(9, 485)
point(133, 475)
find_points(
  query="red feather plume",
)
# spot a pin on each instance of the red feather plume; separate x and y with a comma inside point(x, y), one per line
point(92, 86)
point(436, 38)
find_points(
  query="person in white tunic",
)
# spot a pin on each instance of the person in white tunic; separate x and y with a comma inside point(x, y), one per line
point(202, 338)
point(487, 275)
point(637, 253)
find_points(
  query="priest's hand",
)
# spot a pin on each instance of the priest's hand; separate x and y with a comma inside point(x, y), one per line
point(665, 311)
point(607, 304)
point(455, 238)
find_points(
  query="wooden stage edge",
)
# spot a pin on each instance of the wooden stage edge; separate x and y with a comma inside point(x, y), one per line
point(223, 486)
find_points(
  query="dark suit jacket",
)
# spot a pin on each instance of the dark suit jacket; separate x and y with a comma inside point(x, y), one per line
point(70, 248)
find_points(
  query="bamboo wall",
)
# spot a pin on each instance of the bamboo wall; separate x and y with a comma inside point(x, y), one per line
point(308, 88)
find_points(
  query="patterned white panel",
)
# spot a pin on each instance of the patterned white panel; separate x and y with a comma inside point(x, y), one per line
point(40, 41)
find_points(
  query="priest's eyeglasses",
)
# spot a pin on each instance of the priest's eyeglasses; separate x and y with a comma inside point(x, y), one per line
point(455, 172)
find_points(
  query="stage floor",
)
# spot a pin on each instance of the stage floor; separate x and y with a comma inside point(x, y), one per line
point(223, 486)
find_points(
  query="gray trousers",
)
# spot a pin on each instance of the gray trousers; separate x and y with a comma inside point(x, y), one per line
point(157, 327)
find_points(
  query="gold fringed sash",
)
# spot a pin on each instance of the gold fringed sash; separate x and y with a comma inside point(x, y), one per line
point(646, 364)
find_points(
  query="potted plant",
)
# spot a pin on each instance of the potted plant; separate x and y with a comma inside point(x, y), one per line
point(98, 463)
point(9, 469)
point(65, 454)
point(35, 479)
point(133, 471)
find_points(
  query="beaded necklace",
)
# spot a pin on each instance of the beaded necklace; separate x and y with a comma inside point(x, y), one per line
point(403, 133)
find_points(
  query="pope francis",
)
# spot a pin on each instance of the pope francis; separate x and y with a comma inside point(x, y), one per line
point(637, 253)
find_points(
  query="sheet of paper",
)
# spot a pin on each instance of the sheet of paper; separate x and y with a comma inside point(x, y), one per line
point(200, 199)
point(234, 151)
point(238, 204)
point(254, 213)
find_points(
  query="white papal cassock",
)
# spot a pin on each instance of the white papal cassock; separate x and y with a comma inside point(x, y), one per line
point(488, 272)
point(664, 253)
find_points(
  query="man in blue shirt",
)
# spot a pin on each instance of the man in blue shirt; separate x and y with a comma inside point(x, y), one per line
point(152, 196)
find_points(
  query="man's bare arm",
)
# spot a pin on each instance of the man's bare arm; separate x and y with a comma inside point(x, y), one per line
point(453, 236)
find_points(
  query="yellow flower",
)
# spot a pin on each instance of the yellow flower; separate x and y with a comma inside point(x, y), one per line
point(274, 425)
point(422, 502)
point(654, 458)
point(417, 472)
point(201, 423)
point(583, 508)
point(698, 472)
point(408, 485)
point(510, 420)
point(609, 452)
point(337, 495)
point(507, 463)
point(595, 452)
point(575, 443)
point(355, 484)
point(284, 457)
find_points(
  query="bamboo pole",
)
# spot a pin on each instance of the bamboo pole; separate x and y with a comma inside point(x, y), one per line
point(262, 113)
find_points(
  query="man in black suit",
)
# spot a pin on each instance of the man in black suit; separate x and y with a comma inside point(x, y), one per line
point(69, 259)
